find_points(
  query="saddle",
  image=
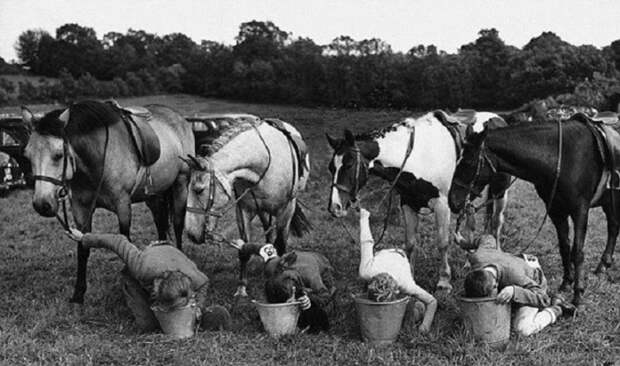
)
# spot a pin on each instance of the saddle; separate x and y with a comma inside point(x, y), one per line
point(145, 140)
point(605, 127)
point(299, 146)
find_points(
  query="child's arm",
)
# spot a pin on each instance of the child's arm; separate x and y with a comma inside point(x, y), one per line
point(530, 294)
point(366, 246)
point(428, 300)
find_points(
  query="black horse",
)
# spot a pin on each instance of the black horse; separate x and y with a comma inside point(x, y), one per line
point(531, 152)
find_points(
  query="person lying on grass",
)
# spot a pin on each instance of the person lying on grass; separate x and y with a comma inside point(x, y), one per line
point(389, 274)
point(516, 279)
point(159, 276)
point(301, 276)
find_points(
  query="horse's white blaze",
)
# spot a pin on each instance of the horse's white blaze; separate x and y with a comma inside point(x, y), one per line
point(335, 196)
point(433, 157)
point(40, 153)
point(481, 118)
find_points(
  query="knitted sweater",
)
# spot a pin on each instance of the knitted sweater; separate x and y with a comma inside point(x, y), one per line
point(150, 263)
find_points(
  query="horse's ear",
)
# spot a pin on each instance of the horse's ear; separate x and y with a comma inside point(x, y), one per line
point(349, 138)
point(333, 142)
point(27, 117)
point(288, 260)
point(64, 116)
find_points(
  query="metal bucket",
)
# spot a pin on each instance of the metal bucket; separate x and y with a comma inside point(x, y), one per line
point(487, 320)
point(380, 322)
point(278, 319)
point(179, 322)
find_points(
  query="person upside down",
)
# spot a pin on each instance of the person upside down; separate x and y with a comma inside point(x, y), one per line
point(160, 276)
point(516, 279)
point(388, 274)
point(301, 276)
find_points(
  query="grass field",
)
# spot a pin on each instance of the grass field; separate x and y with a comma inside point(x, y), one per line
point(37, 265)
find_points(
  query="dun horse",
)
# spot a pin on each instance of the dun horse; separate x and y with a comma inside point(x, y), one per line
point(257, 167)
point(532, 152)
point(86, 153)
point(426, 152)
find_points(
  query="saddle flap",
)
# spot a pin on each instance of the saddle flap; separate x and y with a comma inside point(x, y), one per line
point(144, 137)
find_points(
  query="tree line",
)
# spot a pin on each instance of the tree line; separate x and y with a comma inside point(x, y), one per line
point(267, 64)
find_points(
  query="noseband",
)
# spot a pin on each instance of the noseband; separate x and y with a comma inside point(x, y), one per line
point(482, 157)
point(62, 182)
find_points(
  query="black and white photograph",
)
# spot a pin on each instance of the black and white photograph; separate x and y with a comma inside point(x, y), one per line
point(327, 182)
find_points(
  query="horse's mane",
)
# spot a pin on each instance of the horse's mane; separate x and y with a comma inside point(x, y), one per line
point(381, 132)
point(230, 133)
point(84, 117)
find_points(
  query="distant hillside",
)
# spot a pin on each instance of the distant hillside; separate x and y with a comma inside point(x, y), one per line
point(33, 79)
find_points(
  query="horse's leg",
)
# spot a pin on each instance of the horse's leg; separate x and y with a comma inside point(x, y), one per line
point(123, 213)
point(269, 226)
point(560, 221)
point(283, 225)
point(178, 201)
point(411, 232)
point(442, 217)
point(244, 223)
point(612, 234)
point(159, 208)
point(498, 191)
point(580, 220)
point(81, 217)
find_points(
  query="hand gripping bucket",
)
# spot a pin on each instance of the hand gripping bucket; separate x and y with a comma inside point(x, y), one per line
point(380, 322)
point(278, 319)
point(178, 322)
point(487, 320)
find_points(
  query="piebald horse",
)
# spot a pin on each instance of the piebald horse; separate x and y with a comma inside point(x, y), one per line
point(257, 169)
point(430, 160)
point(86, 154)
point(534, 152)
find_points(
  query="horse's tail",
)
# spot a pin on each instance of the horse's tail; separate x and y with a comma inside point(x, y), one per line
point(300, 223)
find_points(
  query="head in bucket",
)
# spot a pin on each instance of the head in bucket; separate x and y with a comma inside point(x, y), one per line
point(160, 281)
point(301, 276)
point(516, 279)
point(388, 274)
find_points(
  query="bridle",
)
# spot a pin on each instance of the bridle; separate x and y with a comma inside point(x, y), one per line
point(354, 192)
point(217, 177)
point(469, 208)
point(63, 193)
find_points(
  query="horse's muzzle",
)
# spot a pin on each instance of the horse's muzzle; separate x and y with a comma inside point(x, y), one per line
point(44, 207)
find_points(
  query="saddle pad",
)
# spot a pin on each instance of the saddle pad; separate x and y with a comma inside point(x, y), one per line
point(144, 137)
point(299, 145)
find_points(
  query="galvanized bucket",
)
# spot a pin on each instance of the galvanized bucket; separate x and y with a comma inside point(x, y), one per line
point(278, 319)
point(380, 322)
point(487, 320)
point(178, 322)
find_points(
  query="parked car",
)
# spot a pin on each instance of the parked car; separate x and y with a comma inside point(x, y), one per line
point(14, 166)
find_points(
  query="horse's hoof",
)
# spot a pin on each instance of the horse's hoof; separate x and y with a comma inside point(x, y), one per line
point(444, 287)
point(77, 300)
point(600, 269)
point(241, 292)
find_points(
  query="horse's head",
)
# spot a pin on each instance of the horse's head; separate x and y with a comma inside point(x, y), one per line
point(349, 171)
point(51, 158)
point(473, 172)
point(209, 192)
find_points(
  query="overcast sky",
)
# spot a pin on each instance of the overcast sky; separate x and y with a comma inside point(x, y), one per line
point(402, 23)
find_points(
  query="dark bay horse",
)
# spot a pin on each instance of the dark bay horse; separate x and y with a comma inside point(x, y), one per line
point(84, 152)
point(255, 168)
point(424, 181)
point(531, 152)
